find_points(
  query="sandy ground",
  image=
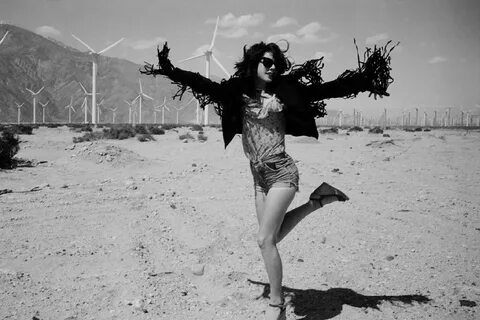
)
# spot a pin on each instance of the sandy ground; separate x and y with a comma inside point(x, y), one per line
point(166, 229)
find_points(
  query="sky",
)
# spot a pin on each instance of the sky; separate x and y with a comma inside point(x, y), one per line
point(435, 66)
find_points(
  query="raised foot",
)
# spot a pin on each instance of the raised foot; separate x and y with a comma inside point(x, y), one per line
point(325, 194)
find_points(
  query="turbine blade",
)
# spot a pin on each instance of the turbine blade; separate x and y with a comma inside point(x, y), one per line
point(3, 38)
point(221, 66)
point(86, 45)
point(30, 91)
point(214, 34)
point(73, 109)
point(39, 90)
point(147, 96)
point(140, 83)
point(194, 57)
point(84, 90)
point(127, 102)
point(111, 46)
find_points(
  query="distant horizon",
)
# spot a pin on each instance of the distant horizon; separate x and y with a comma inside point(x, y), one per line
point(436, 65)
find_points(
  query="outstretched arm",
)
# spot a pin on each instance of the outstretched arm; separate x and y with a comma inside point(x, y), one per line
point(204, 89)
point(373, 75)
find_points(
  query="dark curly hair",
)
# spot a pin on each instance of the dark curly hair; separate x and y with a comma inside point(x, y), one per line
point(247, 67)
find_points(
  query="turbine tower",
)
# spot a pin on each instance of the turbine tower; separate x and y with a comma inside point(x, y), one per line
point(34, 94)
point(85, 102)
point(113, 113)
point(70, 109)
point(140, 97)
point(99, 111)
point(19, 106)
point(3, 38)
point(44, 105)
point(94, 72)
point(130, 105)
point(162, 108)
point(208, 54)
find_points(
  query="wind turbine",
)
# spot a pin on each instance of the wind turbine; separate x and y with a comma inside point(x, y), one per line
point(183, 107)
point(19, 106)
point(70, 109)
point(130, 105)
point(140, 97)
point(44, 105)
point(94, 72)
point(85, 102)
point(208, 54)
point(162, 108)
point(113, 113)
point(99, 111)
point(3, 38)
point(34, 94)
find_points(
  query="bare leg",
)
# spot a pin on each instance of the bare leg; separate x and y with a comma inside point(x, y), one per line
point(270, 213)
point(294, 216)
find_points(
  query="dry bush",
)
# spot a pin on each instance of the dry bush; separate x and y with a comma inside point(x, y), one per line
point(186, 136)
point(375, 130)
point(9, 146)
point(145, 137)
point(202, 137)
point(196, 127)
point(329, 130)
point(356, 129)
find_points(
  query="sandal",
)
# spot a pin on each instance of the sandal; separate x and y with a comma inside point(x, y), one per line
point(326, 190)
point(283, 308)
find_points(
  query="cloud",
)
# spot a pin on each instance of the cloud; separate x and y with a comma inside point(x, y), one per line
point(48, 31)
point(144, 44)
point(437, 59)
point(376, 38)
point(284, 21)
point(237, 27)
point(327, 56)
point(306, 34)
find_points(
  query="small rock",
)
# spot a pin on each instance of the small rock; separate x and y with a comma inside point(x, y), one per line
point(468, 303)
point(70, 147)
point(390, 258)
point(300, 260)
point(198, 269)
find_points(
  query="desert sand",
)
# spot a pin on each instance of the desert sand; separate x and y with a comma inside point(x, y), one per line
point(122, 229)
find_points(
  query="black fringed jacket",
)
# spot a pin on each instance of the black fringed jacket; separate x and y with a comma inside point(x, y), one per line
point(297, 97)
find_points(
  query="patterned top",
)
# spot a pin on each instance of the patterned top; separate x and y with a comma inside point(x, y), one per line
point(263, 132)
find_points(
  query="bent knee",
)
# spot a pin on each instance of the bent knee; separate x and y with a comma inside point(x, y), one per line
point(265, 241)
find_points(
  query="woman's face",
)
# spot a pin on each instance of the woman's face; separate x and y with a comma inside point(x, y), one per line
point(266, 70)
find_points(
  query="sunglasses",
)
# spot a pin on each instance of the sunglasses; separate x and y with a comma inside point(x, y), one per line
point(267, 62)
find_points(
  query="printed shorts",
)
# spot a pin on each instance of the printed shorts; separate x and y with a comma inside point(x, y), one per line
point(276, 171)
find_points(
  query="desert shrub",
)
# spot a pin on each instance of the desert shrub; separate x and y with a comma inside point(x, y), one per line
point(21, 129)
point(9, 146)
point(145, 137)
point(375, 130)
point(53, 125)
point(427, 130)
point(169, 126)
point(202, 137)
point(356, 129)
point(119, 132)
point(139, 129)
point(89, 136)
point(196, 127)
point(329, 130)
point(418, 129)
point(186, 136)
point(156, 130)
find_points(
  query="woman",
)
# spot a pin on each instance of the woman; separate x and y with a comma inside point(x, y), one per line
point(263, 102)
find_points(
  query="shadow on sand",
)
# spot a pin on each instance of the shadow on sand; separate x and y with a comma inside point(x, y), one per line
point(319, 305)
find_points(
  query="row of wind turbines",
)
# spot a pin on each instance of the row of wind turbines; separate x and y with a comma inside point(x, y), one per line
point(95, 110)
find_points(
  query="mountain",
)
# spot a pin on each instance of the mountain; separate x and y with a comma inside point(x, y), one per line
point(28, 60)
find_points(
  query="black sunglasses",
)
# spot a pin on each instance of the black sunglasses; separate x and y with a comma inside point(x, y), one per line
point(267, 62)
